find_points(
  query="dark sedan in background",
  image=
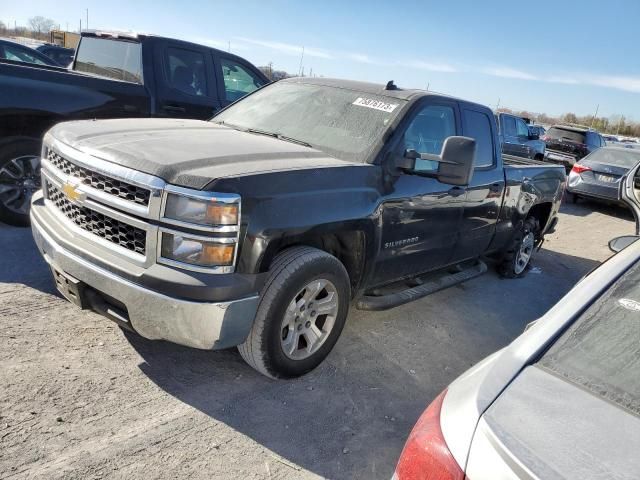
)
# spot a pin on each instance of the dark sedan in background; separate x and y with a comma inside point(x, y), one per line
point(60, 55)
point(598, 174)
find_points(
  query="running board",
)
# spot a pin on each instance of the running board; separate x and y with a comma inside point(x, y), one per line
point(383, 302)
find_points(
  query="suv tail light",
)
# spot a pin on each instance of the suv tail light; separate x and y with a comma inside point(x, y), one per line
point(426, 455)
point(577, 168)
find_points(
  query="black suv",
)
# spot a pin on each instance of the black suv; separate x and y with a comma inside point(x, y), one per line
point(567, 144)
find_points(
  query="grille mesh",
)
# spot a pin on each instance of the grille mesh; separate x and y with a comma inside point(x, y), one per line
point(115, 231)
point(98, 181)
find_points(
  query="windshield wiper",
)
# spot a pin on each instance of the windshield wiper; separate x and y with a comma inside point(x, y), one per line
point(279, 136)
point(293, 140)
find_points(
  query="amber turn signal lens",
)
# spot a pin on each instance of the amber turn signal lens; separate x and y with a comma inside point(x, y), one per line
point(222, 214)
point(217, 254)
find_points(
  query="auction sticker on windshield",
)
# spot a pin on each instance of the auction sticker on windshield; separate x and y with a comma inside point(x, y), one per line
point(375, 104)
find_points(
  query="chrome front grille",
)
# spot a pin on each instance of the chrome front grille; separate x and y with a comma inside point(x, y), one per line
point(117, 232)
point(104, 183)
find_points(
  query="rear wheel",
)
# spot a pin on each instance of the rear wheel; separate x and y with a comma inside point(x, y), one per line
point(19, 178)
point(517, 257)
point(301, 314)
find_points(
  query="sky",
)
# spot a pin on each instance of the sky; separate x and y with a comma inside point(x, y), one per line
point(541, 56)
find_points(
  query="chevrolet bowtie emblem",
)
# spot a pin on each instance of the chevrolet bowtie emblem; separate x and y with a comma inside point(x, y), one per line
point(71, 191)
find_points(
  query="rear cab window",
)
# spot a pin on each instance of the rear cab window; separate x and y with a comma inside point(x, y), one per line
point(600, 352)
point(115, 59)
point(558, 133)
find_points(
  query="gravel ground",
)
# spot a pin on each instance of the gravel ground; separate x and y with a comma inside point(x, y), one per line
point(79, 398)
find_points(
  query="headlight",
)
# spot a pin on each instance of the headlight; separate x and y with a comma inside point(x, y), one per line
point(200, 211)
point(196, 251)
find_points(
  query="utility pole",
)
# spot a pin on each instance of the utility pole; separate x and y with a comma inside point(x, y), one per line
point(229, 46)
point(301, 58)
point(595, 115)
point(428, 83)
point(498, 104)
point(80, 31)
point(87, 24)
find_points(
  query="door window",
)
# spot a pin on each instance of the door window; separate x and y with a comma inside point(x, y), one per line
point(18, 54)
point(186, 71)
point(238, 80)
point(478, 126)
point(523, 131)
point(428, 131)
point(509, 126)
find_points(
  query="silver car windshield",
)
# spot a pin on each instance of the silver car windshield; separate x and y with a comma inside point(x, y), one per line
point(344, 123)
point(601, 350)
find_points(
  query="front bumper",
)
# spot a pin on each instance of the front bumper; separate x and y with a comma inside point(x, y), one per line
point(153, 315)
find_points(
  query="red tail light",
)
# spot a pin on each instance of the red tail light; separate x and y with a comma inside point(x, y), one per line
point(425, 455)
point(545, 138)
point(577, 168)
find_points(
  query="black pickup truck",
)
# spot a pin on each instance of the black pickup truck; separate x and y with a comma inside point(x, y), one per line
point(259, 227)
point(114, 75)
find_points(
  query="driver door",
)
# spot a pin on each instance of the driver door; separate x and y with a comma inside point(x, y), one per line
point(421, 216)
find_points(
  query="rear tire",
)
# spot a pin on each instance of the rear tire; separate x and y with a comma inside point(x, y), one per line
point(19, 178)
point(517, 257)
point(291, 334)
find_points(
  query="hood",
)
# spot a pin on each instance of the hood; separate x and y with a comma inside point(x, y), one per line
point(188, 153)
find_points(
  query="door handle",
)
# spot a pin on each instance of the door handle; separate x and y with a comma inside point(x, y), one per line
point(456, 191)
point(495, 187)
point(174, 108)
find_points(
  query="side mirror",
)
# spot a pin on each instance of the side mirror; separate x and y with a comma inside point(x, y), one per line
point(455, 162)
point(620, 243)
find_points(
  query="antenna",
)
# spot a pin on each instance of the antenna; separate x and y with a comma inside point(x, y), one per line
point(391, 86)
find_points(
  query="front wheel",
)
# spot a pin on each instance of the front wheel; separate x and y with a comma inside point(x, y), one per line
point(517, 257)
point(19, 178)
point(302, 311)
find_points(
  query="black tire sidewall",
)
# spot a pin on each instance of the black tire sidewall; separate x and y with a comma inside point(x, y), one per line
point(10, 149)
point(325, 267)
point(508, 267)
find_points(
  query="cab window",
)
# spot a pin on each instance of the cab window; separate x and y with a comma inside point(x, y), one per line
point(186, 71)
point(428, 131)
point(523, 131)
point(478, 126)
point(238, 80)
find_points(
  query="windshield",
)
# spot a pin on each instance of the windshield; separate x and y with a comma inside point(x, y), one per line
point(601, 351)
point(557, 133)
point(619, 158)
point(117, 59)
point(343, 123)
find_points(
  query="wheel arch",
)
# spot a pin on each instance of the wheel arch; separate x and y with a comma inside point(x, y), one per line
point(350, 245)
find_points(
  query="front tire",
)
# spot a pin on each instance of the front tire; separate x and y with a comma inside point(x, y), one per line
point(302, 311)
point(19, 178)
point(516, 259)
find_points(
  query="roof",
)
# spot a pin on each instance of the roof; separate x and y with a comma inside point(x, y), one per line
point(373, 88)
point(574, 128)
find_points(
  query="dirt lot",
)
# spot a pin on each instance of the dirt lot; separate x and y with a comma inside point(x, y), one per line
point(81, 399)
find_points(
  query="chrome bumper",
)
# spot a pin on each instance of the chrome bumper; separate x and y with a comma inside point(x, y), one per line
point(151, 314)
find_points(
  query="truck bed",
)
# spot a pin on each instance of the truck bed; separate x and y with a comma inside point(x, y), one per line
point(522, 162)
